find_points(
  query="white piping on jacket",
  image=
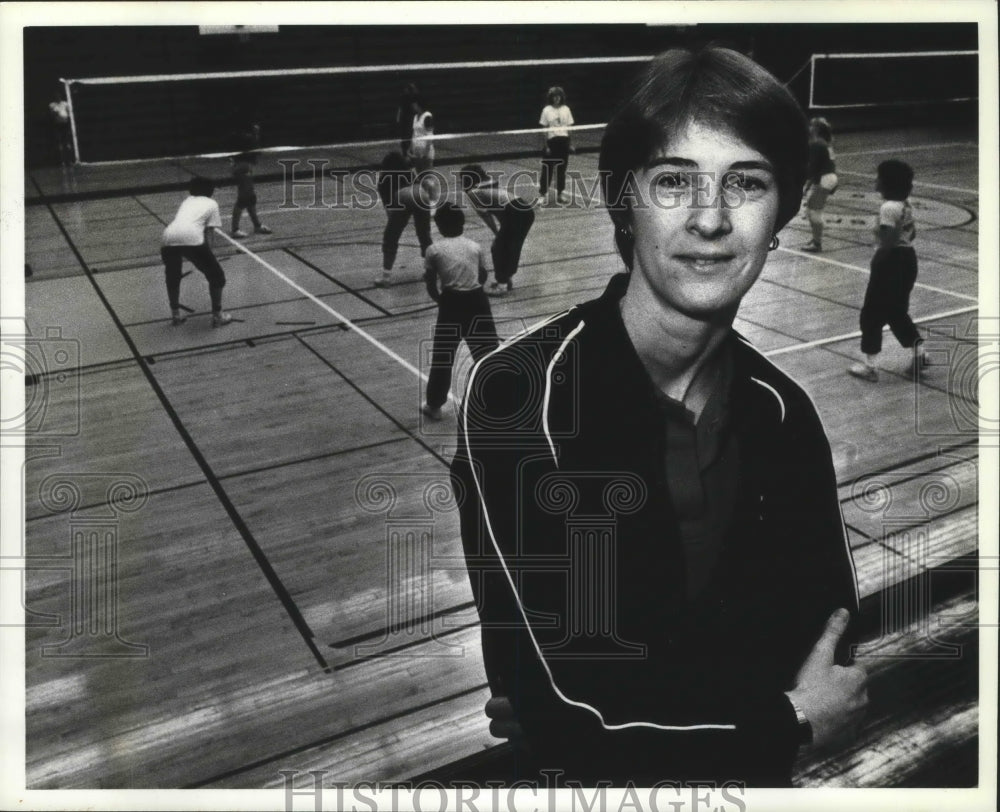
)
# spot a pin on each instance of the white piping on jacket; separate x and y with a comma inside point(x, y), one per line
point(510, 580)
point(557, 355)
point(774, 392)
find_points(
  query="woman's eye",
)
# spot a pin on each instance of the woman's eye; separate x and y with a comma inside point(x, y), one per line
point(673, 180)
point(748, 183)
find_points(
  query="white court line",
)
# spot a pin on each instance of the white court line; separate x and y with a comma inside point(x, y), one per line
point(808, 345)
point(917, 183)
point(914, 148)
point(378, 344)
point(866, 272)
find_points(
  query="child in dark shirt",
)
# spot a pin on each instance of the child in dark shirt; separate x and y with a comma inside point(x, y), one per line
point(246, 196)
point(893, 273)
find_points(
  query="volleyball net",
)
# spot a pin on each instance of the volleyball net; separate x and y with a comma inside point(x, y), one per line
point(121, 118)
point(881, 80)
point(165, 116)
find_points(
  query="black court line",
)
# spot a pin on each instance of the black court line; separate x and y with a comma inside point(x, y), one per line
point(155, 215)
point(410, 624)
point(416, 438)
point(941, 451)
point(252, 545)
point(303, 748)
point(412, 644)
point(336, 281)
point(250, 471)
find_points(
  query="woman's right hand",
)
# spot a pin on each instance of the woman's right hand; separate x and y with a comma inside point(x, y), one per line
point(832, 697)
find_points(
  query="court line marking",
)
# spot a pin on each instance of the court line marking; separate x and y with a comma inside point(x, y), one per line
point(346, 321)
point(915, 147)
point(917, 183)
point(820, 342)
point(866, 272)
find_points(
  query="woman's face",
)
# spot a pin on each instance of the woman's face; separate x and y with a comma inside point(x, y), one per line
point(556, 99)
point(704, 215)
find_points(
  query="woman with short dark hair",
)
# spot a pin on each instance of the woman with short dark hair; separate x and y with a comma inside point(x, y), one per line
point(649, 506)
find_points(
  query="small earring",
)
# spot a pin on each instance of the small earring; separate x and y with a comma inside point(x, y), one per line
point(774, 242)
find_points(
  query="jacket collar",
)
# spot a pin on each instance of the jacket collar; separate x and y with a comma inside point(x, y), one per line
point(754, 389)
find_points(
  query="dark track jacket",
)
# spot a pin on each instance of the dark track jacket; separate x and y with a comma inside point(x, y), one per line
point(575, 560)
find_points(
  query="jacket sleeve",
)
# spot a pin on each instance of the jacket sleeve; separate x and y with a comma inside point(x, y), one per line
point(593, 718)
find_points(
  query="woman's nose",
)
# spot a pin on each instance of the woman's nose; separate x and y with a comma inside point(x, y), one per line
point(708, 214)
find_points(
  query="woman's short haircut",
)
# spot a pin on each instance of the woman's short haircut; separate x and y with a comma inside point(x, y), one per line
point(895, 179)
point(554, 91)
point(449, 219)
point(201, 187)
point(715, 87)
point(471, 175)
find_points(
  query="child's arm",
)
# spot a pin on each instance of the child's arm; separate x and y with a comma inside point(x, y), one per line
point(430, 279)
point(484, 214)
point(889, 225)
point(483, 272)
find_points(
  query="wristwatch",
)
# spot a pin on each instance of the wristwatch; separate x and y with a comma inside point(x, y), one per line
point(804, 726)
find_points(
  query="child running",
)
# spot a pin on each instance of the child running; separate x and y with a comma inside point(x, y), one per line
point(463, 309)
point(893, 273)
point(509, 218)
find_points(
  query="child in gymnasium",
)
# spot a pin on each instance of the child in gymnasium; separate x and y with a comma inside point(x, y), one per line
point(187, 237)
point(508, 217)
point(403, 197)
point(893, 273)
point(246, 196)
point(821, 180)
point(463, 309)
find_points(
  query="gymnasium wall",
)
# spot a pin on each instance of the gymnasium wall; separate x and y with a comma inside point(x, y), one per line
point(190, 118)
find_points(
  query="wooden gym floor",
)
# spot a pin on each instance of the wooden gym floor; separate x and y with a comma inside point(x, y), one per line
point(261, 613)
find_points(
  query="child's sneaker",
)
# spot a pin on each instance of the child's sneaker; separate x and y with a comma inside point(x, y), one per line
point(383, 281)
point(262, 229)
point(564, 198)
point(812, 247)
point(863, 371)
point(177, 317)
point(238, 234)
point(221, 319)
point(431, 413)
point(500, 289)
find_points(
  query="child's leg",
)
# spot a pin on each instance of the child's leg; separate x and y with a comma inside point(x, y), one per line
point(546, 177)
point(561, 149)
point(517, 223)
point(499, 254)
point(252, 211)
point(237, 215)
point(204, 260)
point(872, 319)
point(814, 210)
point(398, 218)
point(422, 225)
point(447, 334)
point(173, 261)
point(478, 327)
